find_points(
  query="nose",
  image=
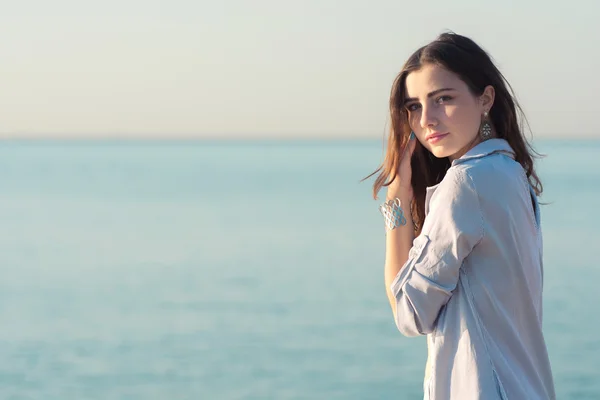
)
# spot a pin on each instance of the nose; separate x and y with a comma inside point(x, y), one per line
point(428, 116)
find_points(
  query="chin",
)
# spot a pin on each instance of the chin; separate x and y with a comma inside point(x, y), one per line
point(441, 151)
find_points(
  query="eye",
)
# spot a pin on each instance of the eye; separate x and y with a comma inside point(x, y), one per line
point(413, 107)
point(443, 99)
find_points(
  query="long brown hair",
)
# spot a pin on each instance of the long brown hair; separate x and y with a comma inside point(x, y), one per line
point(462, 56)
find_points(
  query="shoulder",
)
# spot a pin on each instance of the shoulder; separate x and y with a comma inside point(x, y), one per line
point(454, 208)
point(489, 174)
point(457, 191)
point(458, 180)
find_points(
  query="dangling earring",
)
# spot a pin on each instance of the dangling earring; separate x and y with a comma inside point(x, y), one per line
point(485, 131)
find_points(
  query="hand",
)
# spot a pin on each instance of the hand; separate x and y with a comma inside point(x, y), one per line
point(401, 186)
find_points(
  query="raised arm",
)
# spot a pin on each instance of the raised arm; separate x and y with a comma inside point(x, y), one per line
point(429, 270)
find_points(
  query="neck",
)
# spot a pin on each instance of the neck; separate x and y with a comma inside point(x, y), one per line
point(465, 149)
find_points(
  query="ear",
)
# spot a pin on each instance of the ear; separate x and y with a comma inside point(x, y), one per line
point(486, 100)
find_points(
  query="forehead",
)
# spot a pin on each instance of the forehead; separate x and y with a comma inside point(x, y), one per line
point(429, 78)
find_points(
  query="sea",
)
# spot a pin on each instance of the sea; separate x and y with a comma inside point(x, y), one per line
point(225, 270)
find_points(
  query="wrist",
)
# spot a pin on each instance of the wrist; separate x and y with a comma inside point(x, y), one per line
point(395, 211)
point(405, 197)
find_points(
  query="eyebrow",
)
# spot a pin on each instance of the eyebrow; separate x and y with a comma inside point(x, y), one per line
point(430, 94)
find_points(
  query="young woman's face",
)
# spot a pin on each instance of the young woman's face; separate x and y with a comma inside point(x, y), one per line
point(442, 112)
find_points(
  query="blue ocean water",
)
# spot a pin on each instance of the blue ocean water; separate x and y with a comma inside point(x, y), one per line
point(241, 270)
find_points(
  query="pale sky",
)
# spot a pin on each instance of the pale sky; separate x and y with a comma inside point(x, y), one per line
point(311, 68)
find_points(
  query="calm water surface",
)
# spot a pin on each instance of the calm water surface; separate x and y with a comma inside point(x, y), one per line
point(241, 271)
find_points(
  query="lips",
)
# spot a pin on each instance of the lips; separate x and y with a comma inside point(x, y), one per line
point(436, 137)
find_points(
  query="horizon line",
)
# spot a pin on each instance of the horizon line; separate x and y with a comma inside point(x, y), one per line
point(232, 137)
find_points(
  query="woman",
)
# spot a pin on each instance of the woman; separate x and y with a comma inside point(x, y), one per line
point(463, 260)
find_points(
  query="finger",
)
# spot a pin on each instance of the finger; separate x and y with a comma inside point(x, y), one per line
point(410, 147)
point(412, 144)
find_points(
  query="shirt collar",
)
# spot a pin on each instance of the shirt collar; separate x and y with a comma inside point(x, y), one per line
point(485, 148)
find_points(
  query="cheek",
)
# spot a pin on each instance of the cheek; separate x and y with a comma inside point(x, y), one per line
point(414, 120)
point(462, 119)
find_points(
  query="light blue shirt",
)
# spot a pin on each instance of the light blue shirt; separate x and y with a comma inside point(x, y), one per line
point(473, 282)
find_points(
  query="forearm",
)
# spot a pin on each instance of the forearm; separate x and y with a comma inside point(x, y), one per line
point(398, 243)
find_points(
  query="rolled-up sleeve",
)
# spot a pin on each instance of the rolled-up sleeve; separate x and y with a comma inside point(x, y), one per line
point(452, 228)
